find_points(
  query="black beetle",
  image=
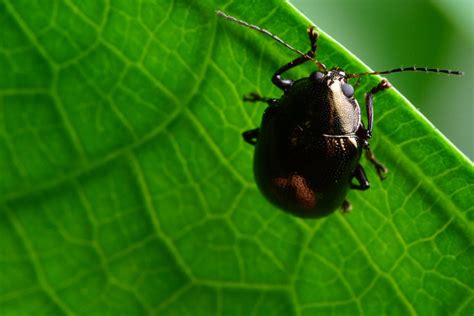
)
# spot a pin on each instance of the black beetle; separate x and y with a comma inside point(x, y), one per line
point(309, 144)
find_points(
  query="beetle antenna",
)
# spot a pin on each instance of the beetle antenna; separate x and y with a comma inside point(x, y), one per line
point(402, 69)
point(264, 31)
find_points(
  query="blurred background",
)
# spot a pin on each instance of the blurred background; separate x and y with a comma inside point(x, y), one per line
point(390, 34)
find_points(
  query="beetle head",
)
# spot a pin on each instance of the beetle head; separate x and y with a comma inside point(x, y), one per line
point(336, 80)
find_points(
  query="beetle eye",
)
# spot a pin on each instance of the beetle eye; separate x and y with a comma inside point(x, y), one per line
point(316, 76)
point(348, 90)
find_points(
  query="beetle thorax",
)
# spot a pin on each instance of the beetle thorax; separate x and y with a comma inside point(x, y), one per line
point(343, 110)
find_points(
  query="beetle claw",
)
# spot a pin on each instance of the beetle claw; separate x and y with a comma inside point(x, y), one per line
point(346, 207)
point(381, 171)
point(385, 84)
point(253, 97)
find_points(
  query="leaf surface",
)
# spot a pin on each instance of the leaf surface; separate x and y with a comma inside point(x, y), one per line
point(126, 186)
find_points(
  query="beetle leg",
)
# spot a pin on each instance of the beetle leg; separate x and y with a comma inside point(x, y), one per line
point(284, 84)
point(346, 207)
point(251, 136)
point(255, 97)
point(369, 103)
point(366, 134)
point(381, 169)
point(360, 176)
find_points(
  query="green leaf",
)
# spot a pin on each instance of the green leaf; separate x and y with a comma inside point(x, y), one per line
point(126, 187)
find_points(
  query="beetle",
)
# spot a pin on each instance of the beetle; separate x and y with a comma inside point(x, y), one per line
point(310, 142)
